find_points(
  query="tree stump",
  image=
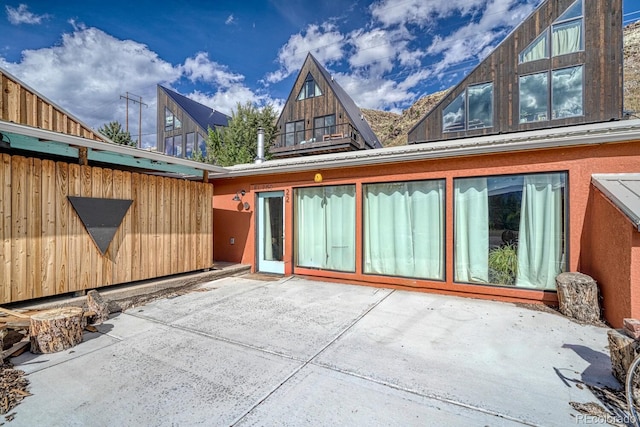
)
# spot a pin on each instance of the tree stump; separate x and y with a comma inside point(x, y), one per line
point(622, 349)
point(578, 297)
point(96, 304)
point(56, 330)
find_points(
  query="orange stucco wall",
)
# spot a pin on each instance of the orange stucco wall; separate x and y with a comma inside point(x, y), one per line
point(580, 162)
point(607, 245)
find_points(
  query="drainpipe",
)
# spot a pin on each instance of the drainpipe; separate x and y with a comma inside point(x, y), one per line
point(260, 157)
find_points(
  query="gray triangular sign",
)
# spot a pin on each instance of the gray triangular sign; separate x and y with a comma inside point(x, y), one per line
point(101, 217)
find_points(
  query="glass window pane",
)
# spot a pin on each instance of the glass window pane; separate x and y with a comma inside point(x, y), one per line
point(273, 228)
point(573, 11)
point(536, 50)
point(480, 106)
point(566, 38)
point(566, 92)
point(453, 115)
point(168, 119)
point(509, 230)
point(177, 122)
point(168, 145)
point(309, 89)
point(404, 229)
point(177, 142)
point(299, 135)
point(289, 134)
point(190, 144)
point(202, 144)
point(325, 227)
point(534, 94)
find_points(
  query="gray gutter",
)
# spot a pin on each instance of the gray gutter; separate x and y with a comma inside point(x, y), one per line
point(591, 134)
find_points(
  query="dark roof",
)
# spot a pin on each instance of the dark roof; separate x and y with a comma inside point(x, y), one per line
point(204, 116)
point(350, 107)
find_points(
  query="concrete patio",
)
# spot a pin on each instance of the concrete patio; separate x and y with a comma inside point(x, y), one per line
point(290, 351)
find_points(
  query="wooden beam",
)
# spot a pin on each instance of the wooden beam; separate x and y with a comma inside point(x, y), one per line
point(83, 156)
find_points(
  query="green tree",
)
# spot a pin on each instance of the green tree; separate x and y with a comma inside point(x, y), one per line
point(238, 142)
point(113, 131)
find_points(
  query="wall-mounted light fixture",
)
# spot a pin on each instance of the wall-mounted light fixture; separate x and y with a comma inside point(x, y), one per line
point(238, 198)
point(239, 195)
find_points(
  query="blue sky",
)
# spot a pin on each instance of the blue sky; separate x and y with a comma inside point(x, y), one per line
point(386, 54)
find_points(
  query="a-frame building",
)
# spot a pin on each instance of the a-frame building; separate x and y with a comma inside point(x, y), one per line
point(183, 124)
point(562, 66)
point(320, 117)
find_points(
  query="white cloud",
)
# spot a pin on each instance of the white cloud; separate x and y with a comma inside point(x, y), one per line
point(88, 72)
point(376, 93)
point(477, 39)
point(325, 42)
point(375, 50)
point(201, 68)
point(21, 15)
point(226, 100)
point(230, 20)
point(420, 12)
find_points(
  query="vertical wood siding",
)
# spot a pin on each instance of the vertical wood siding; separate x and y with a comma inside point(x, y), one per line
point(45, 249)
point(21, 105)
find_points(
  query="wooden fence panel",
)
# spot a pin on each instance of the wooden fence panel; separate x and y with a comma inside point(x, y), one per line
point(63, 265)
point(48, 227)
point(45, 249)
point(6, 260)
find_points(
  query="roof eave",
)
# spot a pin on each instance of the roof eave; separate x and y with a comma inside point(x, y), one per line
point(76, 141)
point(593, 134)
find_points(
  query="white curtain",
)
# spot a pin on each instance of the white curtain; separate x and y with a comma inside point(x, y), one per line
point(536, 50)
point(567, 38)
point(310, 228)
point(325, 227)
point(471, 230)
point(540, 242)
point(404, 229)
point(341, 228)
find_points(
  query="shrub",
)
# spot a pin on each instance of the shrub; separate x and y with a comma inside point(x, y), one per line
point(503, 265)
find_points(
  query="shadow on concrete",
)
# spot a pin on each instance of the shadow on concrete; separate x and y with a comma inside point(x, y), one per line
point(599, 379)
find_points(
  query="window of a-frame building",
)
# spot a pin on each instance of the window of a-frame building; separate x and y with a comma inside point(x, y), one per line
point(556, 93)
point(202, 144)
point(294, 133)
point(566, 88)
point(309, 89)
point(171, 121)
point(567, 31)
point(566, 36)
point(472, 109)
point(325, 125)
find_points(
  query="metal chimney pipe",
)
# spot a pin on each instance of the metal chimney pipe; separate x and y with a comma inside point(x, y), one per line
point(260, 157)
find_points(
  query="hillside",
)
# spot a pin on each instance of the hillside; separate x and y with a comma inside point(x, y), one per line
point(392, 128)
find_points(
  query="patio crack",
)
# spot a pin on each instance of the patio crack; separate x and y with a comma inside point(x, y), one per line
point(310, 359)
